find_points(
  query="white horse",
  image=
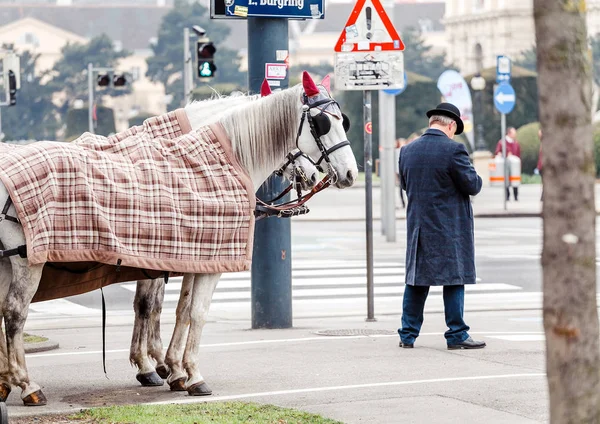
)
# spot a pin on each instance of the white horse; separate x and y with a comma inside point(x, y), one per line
point(146, 351)
point(260, 132)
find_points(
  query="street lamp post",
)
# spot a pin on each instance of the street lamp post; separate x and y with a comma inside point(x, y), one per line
point(478, 85)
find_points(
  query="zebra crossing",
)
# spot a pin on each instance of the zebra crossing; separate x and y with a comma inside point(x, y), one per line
point(313, 280)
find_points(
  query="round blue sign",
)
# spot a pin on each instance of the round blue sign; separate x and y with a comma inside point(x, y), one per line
point(396, 91)
point(505, 98)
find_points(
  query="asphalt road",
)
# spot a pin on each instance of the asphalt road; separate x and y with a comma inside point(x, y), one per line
point(357, 379)
point(333, 253)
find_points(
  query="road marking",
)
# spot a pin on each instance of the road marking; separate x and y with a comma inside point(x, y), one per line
point(58, 306)
point(521, 337)
point(279, 341)
point(348, 387)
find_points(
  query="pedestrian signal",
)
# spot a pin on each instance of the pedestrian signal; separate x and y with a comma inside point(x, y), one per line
point(103, 80)
point(119, 80)
point(205, 52)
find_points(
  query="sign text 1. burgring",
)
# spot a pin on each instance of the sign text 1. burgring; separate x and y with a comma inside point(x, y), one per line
point(312, 9)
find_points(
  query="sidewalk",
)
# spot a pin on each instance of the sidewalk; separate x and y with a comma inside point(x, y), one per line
point(343, 368)
point(349, 204)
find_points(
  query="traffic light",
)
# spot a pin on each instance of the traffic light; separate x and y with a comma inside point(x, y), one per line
point(12, 88)
point(205, 52)
point(119, 80)
point(103, 80)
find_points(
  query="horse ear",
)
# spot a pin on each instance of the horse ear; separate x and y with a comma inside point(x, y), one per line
point(265, 88)
point(310, 88)
point(327, 83)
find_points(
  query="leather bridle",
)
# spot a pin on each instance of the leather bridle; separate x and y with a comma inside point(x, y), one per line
point(317, 132)
point(318, 128)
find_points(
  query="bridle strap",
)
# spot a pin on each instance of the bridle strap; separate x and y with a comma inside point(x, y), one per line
point(292, 208)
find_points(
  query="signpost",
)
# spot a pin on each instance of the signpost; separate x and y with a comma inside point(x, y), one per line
point(369, 57)
point(504, 101)
point(311, 9)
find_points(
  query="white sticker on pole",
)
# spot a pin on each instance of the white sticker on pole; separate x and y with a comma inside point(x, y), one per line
point(275, 70)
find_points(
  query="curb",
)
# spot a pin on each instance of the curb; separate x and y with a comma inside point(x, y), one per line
point(40, 347)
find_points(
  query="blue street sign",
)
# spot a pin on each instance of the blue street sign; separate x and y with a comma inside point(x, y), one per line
point(503, 69)
point(309, 9)
point(505, 98)
point(396, 91)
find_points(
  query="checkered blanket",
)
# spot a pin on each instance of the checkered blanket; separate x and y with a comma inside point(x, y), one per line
point(154, 197)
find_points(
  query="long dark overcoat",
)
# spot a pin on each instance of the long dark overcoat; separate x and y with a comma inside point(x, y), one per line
point(438, 178)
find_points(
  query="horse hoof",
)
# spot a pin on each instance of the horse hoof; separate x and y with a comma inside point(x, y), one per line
point(4, 392)
point(199, 389)
point(150, 379)
point(36, 398)
point(178, 385)
point(163, 371)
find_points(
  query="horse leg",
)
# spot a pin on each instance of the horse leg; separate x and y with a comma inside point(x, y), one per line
point(5, 279)
point(174, 356)
point(143, 303)
point(204, 286)
point(155, 344)
point(24, 284)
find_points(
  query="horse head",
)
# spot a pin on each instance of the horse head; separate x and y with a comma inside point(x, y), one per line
point(322, 134)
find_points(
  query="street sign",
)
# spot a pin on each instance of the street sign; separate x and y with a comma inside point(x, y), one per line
point(303, 9)
point(503, 69)
point(369, 51)
point(368, 29)
point(505, 98)
point(396, 91)
point(369, 70)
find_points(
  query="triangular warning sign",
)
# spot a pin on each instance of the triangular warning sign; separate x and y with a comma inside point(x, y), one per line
point(368, 29)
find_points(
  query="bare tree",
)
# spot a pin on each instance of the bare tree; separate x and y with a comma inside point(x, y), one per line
point(569, 252)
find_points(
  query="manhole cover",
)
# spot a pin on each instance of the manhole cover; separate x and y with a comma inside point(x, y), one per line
point(355, 332)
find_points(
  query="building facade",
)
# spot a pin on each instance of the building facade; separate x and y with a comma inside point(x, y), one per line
point(479, 30)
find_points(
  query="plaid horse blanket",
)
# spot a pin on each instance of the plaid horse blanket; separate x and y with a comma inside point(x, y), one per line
point(155, 198)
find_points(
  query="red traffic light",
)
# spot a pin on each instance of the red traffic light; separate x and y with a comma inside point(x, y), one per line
point(103, 80)
point(206, 50)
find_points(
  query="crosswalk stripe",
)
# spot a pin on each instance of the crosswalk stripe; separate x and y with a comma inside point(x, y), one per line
point(380, 291)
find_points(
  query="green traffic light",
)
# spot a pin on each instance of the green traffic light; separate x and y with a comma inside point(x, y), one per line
point(205, 70)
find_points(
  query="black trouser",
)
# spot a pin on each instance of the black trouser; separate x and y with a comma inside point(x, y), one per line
point(515, 192)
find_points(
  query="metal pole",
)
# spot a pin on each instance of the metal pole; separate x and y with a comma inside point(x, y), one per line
point(271, 289)
point(186, 65)
point(90, 97)
point(367, 112)
point(503, 129)
point(390, 167)
point(383, 181)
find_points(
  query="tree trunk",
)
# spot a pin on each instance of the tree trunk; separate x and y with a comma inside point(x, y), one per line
point(569, 252)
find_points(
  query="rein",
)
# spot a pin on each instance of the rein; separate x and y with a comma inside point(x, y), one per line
point(291, 208)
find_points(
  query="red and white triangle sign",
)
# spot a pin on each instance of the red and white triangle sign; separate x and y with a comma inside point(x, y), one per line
point(368, 29)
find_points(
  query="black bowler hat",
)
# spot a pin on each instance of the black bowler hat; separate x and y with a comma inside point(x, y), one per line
point(451, 111)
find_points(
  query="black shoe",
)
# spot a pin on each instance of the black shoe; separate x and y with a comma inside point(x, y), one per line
point(406, 345)
point(467, 344)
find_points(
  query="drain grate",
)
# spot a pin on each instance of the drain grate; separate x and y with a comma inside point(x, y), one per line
point(355, 332)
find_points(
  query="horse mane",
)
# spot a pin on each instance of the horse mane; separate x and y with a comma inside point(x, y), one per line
point(208, 111)
point(264, 131)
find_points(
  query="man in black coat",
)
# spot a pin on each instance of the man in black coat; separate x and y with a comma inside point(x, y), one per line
point(438, 178)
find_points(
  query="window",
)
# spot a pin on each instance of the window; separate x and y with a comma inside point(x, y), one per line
point(479, 5)
point(29, 38)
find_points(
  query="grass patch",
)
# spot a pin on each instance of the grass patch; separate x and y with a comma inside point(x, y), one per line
point(32, 338)
point(531, 179)
point(210, 412)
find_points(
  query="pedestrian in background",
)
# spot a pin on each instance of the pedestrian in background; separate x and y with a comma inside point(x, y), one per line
point(512, 148)
point(538, 169)
point(438, 178)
